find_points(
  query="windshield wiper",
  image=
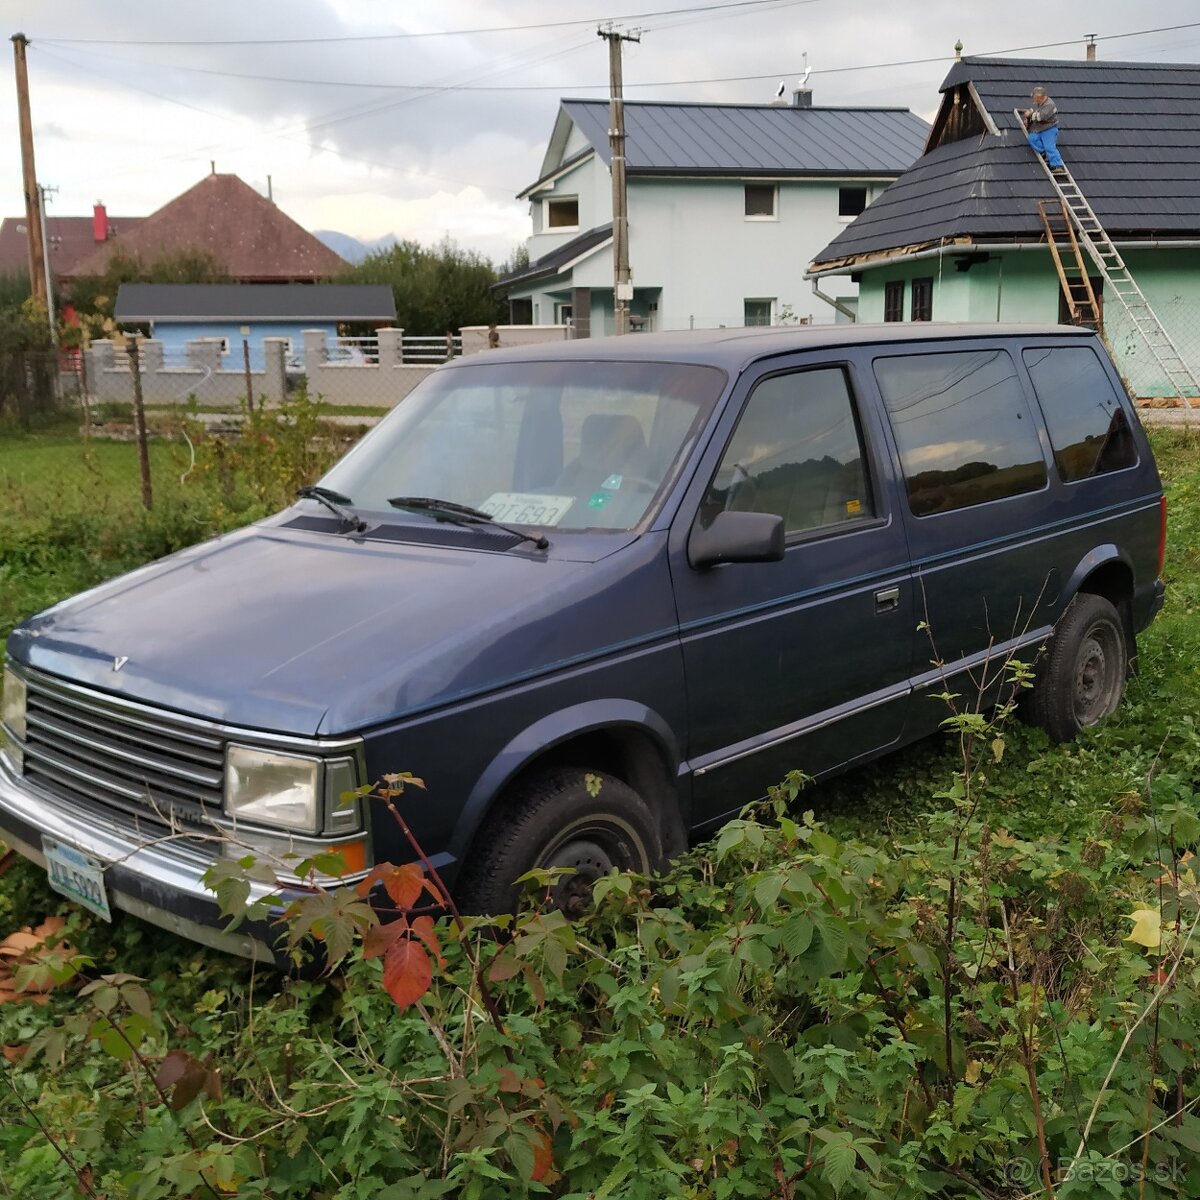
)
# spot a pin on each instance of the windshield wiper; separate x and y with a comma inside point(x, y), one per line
point(462, 514)
point(333, 501)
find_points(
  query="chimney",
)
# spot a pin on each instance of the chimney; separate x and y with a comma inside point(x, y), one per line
point(802, 98)
point(1091, 47)
point(99, 222)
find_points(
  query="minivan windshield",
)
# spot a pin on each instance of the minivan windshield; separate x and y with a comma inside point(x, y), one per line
point(568, 445)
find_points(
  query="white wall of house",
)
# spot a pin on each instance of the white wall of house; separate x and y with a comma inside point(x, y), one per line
point(691, 240)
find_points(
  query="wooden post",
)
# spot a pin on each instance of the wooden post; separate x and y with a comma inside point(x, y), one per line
point(249, 378)
point(33, 218)
point(139, 422)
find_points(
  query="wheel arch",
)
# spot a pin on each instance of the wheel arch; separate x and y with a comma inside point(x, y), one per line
point(1107, 572)
point(624, 739)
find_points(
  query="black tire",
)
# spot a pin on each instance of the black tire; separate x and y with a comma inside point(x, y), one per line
point(1081, 678)
point(553, 820)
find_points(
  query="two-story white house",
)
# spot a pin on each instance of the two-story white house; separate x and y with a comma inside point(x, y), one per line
point(727, 205)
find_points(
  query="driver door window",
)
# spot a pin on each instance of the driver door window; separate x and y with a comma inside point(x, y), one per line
point(797, 451)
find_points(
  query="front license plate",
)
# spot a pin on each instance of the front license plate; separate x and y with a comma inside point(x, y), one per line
point(77, 876)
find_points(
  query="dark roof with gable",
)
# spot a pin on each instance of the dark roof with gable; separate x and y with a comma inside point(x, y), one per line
point(1130, 133)
point(255, 302)
point(250, 237)
point(70, 238)
point(556, 260)
point(687, 138)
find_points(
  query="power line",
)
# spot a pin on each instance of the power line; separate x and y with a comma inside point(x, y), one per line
point(587, 87)
point(381, 37)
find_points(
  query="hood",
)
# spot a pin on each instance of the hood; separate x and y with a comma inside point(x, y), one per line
point(309, 633)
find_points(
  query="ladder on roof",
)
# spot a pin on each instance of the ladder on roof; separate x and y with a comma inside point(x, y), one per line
point(1124, 287)
point(1081, 300)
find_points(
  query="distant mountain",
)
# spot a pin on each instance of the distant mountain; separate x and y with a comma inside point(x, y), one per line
point(351, 248)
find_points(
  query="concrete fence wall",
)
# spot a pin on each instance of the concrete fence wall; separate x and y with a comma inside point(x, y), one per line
point(380, 380)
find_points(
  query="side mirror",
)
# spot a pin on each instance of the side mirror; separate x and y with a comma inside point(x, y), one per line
point(737, 537)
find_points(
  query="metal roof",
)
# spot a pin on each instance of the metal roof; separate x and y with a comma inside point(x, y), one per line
point(168, 302)
point(1130, 133)
point(556, 260)
point(755, 139)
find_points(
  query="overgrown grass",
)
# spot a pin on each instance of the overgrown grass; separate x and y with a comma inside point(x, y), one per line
point(780, 1069)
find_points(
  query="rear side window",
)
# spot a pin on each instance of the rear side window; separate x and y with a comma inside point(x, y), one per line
point(1087, 425)
point(963, 428)
point(797, 452)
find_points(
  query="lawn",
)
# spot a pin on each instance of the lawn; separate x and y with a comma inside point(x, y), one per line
point(789, 1015)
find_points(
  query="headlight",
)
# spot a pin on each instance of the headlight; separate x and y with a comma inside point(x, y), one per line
point(290, 791)
point(13, 711)
point(272, 788)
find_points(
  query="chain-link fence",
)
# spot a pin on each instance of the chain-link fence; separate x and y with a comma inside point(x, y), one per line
point(36, 387)
point(1138, 365)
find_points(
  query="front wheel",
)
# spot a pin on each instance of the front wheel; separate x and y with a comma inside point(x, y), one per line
point(1081, 679)
point(555, 820)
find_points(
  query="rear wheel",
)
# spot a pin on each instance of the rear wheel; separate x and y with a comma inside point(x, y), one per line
point(554, 820)
point(1081, 679)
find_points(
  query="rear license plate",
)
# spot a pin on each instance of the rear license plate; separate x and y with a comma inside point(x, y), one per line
point(77, 876)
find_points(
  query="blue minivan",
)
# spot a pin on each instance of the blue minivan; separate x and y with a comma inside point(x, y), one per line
point(598, 595)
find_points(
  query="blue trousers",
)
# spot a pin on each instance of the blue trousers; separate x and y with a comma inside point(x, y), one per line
point(1046, 143)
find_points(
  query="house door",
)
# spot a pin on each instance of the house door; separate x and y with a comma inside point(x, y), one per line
point(804, 663)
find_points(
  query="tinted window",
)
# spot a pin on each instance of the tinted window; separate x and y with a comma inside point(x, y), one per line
point(760, 199)
point(964, 431)
point(1087, 425)
point(796, 452)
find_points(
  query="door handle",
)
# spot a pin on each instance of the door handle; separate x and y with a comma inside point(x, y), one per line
point(888, 600)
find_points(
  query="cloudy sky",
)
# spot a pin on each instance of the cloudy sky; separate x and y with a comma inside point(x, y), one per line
point(423, 118)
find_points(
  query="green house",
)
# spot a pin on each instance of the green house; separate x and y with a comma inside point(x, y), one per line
point(961, 236)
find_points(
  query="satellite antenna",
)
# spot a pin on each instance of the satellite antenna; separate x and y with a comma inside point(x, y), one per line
point(807, 71)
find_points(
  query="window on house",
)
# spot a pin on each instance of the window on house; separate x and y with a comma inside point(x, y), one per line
point(963, 429)
point(1084, 418)
point(760, 200)
point(922, 299)
point(564, 314)
point(520, 310)
point(797, 452)
point(757, 312)
point(893, 300)
point(851, 201)
point(563, 213)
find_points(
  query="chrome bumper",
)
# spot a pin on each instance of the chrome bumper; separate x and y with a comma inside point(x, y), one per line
point(153, 876)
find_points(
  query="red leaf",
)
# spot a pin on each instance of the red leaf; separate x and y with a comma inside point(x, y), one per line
point(377, 941)
point(509, 1080)
point(423, 928)
point(407, 972)
point(543, 1154)
point(403, 884)
point(504, 966)
point(172, 1069)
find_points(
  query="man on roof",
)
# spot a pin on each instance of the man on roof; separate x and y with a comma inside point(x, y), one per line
point(1041, 128)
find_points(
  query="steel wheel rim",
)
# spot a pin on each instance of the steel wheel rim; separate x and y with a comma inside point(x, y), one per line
point(1097, 681)
point(591, 847)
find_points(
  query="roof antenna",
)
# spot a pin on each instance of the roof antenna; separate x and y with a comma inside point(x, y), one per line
point(807, 71)
point(780, 92)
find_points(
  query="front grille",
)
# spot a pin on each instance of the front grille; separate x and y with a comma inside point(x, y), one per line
point(130, 758)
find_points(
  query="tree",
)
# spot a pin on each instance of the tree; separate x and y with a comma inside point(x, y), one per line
point(437, 288)
point(95, 296)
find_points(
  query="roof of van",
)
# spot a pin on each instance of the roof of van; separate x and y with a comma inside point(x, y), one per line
point(734, 348)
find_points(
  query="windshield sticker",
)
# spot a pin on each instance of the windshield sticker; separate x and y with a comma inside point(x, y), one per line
point(613, 482)
point(853, 508)
point(527, 508)
point(599, 499)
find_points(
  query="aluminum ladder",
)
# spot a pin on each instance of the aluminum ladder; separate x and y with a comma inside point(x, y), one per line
point(1124, 287)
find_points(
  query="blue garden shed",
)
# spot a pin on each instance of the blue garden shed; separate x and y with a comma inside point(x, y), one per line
point(177, 313)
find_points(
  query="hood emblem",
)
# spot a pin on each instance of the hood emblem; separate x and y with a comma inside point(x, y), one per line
point(118, 663)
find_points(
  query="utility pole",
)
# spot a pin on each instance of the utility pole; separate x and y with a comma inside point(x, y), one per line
point(33, 219)
point(43, 193)
point(622, 285)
